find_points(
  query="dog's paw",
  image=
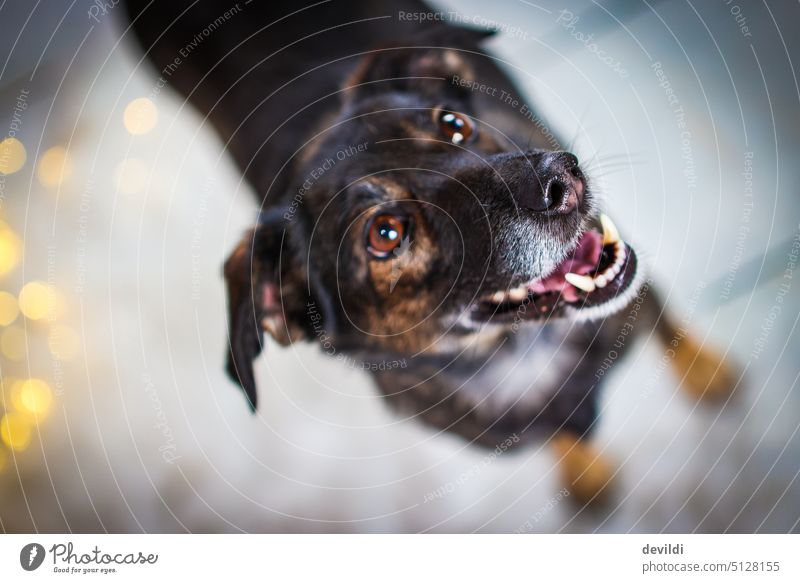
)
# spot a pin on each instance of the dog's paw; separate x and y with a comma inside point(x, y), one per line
point(585, 472)
point(704, 373)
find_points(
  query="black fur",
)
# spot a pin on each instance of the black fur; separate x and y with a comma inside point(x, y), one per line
point(291, 85)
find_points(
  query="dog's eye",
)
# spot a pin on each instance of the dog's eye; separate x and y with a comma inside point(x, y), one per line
point(385, 234)
point(457, 127)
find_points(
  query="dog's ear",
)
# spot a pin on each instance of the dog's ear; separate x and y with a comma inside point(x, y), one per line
point(267, 291)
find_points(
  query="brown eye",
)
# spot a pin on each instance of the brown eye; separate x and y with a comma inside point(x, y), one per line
point(458, 128)
point(386, 233)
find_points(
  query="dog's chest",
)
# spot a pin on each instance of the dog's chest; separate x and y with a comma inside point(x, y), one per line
point(523, 374)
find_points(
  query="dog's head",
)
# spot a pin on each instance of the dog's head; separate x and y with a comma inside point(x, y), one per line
point(420, 216)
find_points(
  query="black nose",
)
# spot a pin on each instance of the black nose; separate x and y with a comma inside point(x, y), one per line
point(557, 187)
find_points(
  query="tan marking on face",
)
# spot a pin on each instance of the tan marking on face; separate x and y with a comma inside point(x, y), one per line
point(399, 320)
point(442, 63)
point(410, 263)
point(402, 273)
point(455, 63)
point(414, 131)
point(487, 142)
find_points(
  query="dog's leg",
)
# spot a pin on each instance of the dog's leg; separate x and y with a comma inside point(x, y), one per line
point(585, 472)
point(703, 372)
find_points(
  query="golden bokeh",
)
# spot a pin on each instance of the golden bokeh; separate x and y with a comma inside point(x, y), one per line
point(13, 343)
point(8, 308)
point(131, 176)
point(54, 167)
point(10, 249)
point(35, 397)
point(140, 116)
point(14, 394)
point(12, 155)
point(64, 342)
point(8, 385)
point(15, 431)
point(36, 300)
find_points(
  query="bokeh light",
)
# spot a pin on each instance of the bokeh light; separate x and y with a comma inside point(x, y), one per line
point(10, 249)
point(15, 431)
point(131, 176)
point(54, 167)
point(35, 397)
point(7, 385)
point(12, 155)
point(140, 116)
point(64, 342)
point(14, 395)
point(8, 308)
point(13, 343)
point(36, 300)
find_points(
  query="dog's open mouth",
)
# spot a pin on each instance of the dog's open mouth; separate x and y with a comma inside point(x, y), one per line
point(595, 280)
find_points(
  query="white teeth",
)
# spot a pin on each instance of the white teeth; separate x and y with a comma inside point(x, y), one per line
point(619, 247)
point(610, 232)
point(518, 294)
point(601, 280)
point(583, 282)
point(612, 271)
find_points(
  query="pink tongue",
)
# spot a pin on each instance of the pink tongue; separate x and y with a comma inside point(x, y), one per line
point(583, 260)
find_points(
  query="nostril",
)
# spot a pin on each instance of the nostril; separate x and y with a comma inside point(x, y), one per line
point(556, 191)
point(555, 185)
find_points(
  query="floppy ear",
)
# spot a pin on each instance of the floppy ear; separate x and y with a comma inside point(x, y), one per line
point(267, 291)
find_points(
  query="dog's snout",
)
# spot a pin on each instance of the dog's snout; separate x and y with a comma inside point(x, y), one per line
point(558, 185)
point(544, 182)
point(560, 188)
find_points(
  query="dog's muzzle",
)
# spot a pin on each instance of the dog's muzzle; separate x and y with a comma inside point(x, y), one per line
point(598, 277)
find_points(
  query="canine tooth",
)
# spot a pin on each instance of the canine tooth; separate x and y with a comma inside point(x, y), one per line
point(600, 281)
point(518, 294)
point(499, 297)
point(610, 233)
point(583, 282)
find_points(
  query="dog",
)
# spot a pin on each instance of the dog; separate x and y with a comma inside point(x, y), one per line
point(415, 208)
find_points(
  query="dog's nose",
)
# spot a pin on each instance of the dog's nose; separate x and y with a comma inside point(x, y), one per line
point(558, 186)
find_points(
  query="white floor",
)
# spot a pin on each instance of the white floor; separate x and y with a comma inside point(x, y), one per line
point(147, 434)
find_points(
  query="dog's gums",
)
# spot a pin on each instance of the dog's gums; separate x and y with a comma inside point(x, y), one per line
point(599, 268)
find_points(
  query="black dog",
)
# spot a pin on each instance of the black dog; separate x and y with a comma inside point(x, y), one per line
point(415, 208)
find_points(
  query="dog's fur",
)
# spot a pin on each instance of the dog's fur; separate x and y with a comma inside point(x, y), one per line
point(327, 109)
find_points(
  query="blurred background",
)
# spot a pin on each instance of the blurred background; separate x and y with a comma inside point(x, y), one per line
point(118, 205)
